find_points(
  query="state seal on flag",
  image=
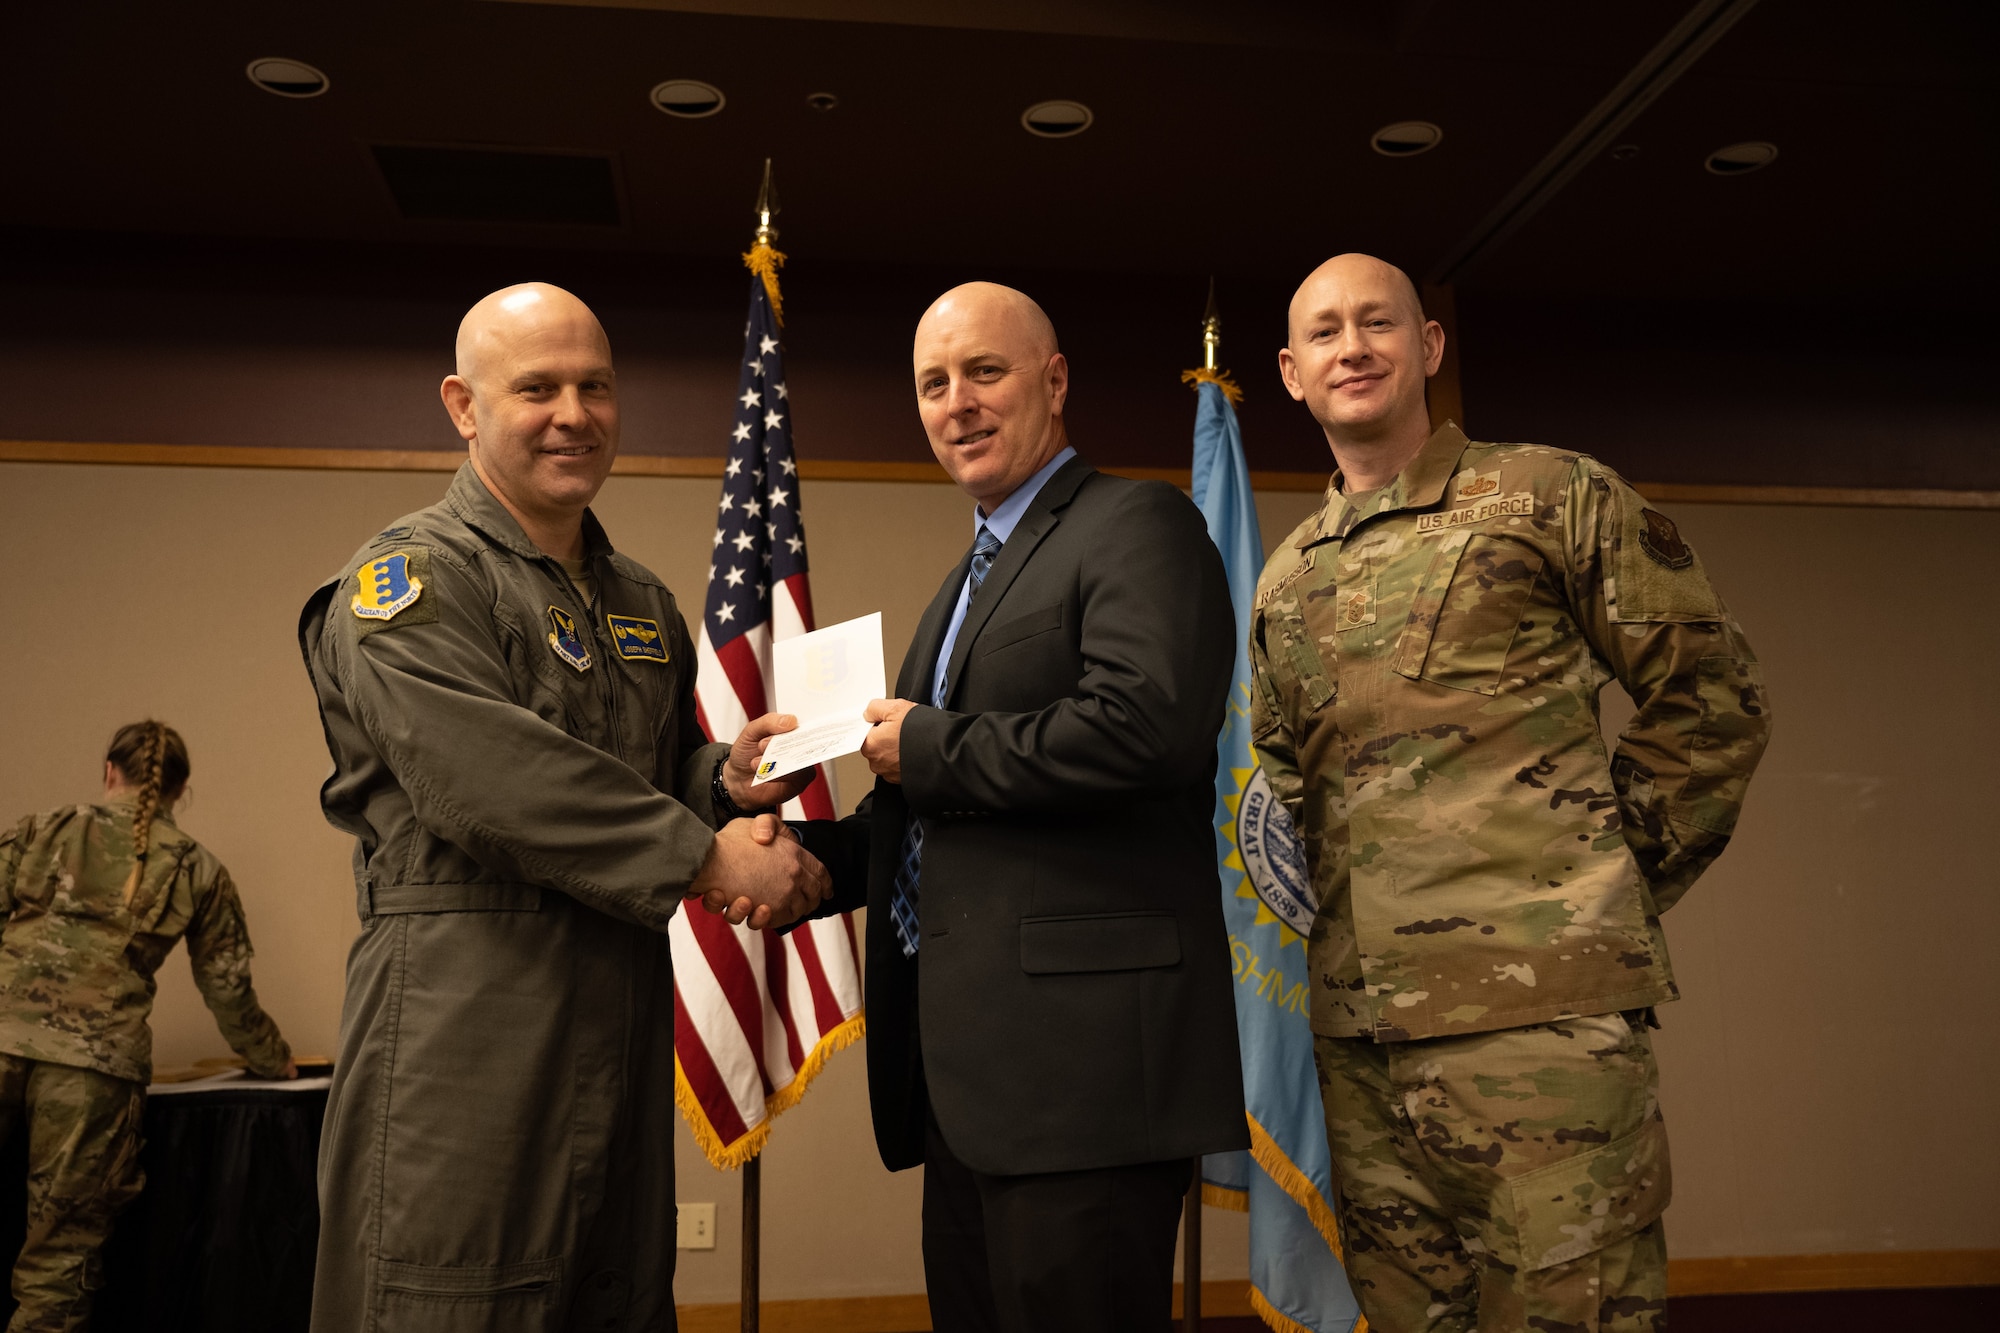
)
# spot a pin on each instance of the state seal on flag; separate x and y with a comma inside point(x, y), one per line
point(1272, 856)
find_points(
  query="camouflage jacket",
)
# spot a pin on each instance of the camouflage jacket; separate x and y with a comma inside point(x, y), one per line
point(1427, 665)
point(77, 963)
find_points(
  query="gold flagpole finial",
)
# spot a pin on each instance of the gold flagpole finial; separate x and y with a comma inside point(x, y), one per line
point(764, 258)
point(1211, 330)
point(767, 208)
point(1211, 344)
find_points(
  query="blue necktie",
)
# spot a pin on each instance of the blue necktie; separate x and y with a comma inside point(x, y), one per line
point(903, 905)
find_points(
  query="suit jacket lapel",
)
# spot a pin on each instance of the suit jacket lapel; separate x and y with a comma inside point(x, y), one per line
point(1037, 523)
point(914, 680)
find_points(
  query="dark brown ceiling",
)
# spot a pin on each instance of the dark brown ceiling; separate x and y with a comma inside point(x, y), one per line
point(1229, 137)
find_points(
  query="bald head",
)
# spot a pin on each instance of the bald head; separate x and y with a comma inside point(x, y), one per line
point(991, 386)
point(1344, 275)
point(999, 314)
point(502, 325)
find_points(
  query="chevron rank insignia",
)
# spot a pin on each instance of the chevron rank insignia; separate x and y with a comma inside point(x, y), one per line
point(562, 638)
point(637, 639)
point(388, 587)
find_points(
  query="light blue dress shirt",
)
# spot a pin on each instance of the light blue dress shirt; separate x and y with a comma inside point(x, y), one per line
point(1001, 524)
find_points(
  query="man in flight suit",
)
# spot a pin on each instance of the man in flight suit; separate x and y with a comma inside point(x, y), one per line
point(1428, 650)
point(510, 707)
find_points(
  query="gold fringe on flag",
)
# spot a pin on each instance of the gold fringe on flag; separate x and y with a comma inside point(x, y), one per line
point(728, 1156)
point(1221, 1196)
point(1283, 1322)
point(1219, 378)
point(765, 261)
point(1265, 1151)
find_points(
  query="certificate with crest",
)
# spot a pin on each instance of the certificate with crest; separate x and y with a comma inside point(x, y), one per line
point(825, 679)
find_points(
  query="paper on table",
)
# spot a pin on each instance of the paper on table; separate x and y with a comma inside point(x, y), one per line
point(825, 679)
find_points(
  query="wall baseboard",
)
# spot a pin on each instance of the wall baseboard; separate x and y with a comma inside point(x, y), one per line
point(1877, 1270)
point(1895, 1269)
point(833, 469)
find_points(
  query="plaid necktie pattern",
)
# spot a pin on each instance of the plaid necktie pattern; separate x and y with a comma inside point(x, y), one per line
point(903, 904)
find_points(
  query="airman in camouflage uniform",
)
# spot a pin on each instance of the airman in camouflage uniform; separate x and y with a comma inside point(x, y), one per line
point(77, 961)
point(1427, 657)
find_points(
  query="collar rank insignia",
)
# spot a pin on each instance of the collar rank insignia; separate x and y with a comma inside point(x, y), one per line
point(388, 586)
point(636, 639)
point(564, 641)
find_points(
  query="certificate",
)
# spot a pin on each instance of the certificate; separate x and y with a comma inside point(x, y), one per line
point(825, 679)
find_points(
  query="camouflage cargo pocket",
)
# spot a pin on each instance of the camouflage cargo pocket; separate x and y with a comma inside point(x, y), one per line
point(1467, 612)
point(1584, 1203)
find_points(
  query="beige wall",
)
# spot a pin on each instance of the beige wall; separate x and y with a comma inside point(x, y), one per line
point(1826, 1077)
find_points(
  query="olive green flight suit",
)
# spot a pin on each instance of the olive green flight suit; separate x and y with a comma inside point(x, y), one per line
point(529, 793)
point(1427, 661)
point(77, 963)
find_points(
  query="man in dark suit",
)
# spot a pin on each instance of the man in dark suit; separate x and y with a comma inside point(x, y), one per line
point(1051, 1028)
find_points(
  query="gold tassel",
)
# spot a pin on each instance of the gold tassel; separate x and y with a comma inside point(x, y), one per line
point(765, 262)
point(1219, 378)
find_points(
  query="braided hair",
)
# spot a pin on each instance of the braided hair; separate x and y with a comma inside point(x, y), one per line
point(152, 757)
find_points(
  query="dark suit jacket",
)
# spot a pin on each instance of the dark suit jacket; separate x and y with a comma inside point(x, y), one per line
point(1076, 1000)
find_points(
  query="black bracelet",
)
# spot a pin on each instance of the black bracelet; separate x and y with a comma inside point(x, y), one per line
point(726, 809)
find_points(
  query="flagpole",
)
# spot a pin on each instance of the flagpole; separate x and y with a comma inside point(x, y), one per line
point(763, 259)
point(1211, 341)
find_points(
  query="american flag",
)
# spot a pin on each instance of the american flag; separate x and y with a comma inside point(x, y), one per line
point(756, 1014)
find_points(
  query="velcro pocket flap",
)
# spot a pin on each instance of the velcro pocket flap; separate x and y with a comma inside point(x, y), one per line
point(1595, 1199)
point(1102, 942)
point(1021, 627)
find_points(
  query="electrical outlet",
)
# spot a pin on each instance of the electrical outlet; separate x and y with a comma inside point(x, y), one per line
point(694, 1226)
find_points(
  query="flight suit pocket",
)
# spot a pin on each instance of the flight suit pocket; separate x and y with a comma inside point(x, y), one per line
point(503, 1298)
point(1465, 616)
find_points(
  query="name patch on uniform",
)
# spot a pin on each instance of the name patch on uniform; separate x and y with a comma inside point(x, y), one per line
point(636, 639)
point(1473, 485)
point(388, 587)
point(1662, 540)
point(1520, 503)
point(563, 639)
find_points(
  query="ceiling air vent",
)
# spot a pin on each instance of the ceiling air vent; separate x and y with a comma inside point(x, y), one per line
point(499, 185)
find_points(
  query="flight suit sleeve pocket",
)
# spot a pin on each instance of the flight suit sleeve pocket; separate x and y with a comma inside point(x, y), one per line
point(448, 1298)
point(1465, 616)
point(1103, 942)
point(1595, 1199)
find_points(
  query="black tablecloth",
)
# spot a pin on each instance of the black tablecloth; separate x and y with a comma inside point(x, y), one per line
point(222, 1239)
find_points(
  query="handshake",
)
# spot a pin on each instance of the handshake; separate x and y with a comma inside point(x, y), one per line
point(756, 872)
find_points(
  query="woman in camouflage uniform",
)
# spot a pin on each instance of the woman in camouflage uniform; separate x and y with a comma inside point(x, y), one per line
point(94, 897)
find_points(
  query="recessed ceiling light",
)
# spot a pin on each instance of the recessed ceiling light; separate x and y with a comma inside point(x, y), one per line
point(287, 78)
point(1056, 120)
point(1406, 138)
point(1739, 158)
point(822, 101)
point(690, 99)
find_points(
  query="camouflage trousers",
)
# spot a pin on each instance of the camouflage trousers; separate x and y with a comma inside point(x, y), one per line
point(1502, 1181)
point(83, 1167)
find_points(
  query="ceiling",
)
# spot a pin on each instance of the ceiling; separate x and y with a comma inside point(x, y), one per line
point(1230, 138)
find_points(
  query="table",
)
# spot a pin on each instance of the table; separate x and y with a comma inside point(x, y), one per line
point(222, 1239)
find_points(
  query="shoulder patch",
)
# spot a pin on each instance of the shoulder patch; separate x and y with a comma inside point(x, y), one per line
point(636, 638)
point(1661, 540)
point(563, 640)
point(389, 586)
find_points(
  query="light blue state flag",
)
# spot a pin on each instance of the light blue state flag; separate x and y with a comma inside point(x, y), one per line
point(1285, 1181)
